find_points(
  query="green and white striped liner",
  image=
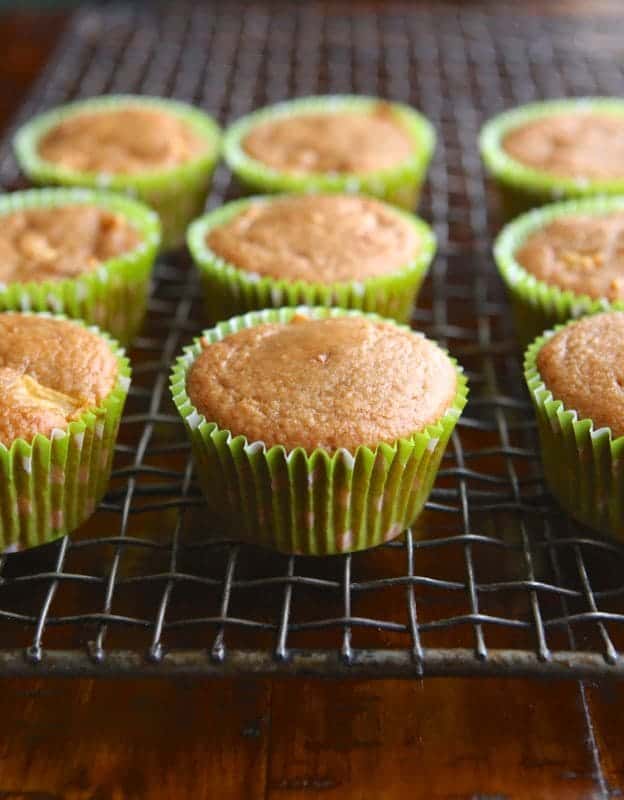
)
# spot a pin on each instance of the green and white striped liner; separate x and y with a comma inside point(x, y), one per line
point(537, 305)
point(583, 465)
point(51, 485)
point(398, 185)
point(316, 503)
point(177, 194)
point(113, 296)
point(525, 187)
point(229, 290)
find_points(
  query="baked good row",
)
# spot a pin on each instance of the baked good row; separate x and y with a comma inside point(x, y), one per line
point(326, 249)
point(315, 430)
point(163, 152)
point(89, 254)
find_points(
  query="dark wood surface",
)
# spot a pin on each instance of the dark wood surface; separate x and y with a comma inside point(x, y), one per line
point(437, 739)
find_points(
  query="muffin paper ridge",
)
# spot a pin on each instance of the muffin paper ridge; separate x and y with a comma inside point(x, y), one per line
point(313, 503)
point(583, 466)
point(229, 290)
point(113, 296)
point(177, 194)
point(537, 305)
point(524, 187)
point(398, 185)
point(52, 484)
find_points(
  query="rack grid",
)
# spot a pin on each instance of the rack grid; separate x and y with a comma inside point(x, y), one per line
point(493, 579)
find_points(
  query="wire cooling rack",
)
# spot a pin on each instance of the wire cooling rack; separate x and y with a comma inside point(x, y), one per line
point(493, 579)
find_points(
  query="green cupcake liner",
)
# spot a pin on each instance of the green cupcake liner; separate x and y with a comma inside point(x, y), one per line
point(398, 185)
point(583, 466)
point(51, 485)
point(114, 296)
point(229, 290)
point(537, 305)
point(310, 503)
point(177, 194)
point(524, 187)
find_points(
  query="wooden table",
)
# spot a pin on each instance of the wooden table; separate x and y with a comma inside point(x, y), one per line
point(440, 738)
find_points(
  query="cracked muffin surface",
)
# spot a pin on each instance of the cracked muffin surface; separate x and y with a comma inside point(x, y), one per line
point(583, 144)
point(51, 371)
point(121, 141)
point(54, 243)
point(583, 366)
point(331, 141)
point(332, 383)
point(580, 252)
point(317, 238)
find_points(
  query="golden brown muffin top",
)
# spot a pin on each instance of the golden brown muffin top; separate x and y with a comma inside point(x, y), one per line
point(40, 244)
point(333, 383)
point(121, 141)
point(331, 141)
point(582, 253)
point(581, 144)
point(583, 366)
point(51, 371)
point(322, 238)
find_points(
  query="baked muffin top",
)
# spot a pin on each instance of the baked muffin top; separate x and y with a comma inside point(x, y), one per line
point(121, 141)
point(40, 244)
point(581, 144)
point(322, 238)
point(583, 366)
point(331, 141)
point(332, 383)
point(580, 252)
point(51, 371)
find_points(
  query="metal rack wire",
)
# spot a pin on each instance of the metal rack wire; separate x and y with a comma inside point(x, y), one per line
point(493, 579)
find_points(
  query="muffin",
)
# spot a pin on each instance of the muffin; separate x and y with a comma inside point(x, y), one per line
point(337, 143)
point(562, 261)
point(159, 151)
point(88, 254)
point(345, 250)
point(556, 150)
point(315, 430)
point(62, 392)
point(575, 375)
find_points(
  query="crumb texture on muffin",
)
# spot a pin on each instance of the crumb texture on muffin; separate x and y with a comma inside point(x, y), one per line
point(583, 366)
point(331, 383)
point(317, 238)
point(51, 371)
point(580, 252)
point(121, 141)
point(331, 141)
point(39, 244)
point(582, 144)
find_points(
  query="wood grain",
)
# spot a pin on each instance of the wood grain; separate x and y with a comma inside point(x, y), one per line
point(436, 740)
point(108, 740)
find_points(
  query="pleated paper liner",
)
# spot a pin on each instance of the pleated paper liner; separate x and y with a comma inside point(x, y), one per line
point(398, 185)
point(177, 194)
point(51, 485)
point(229, 290)
point(316, 503)
point(523, 187)
point(114, 296)
point(537, 305)
point(583, 466)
